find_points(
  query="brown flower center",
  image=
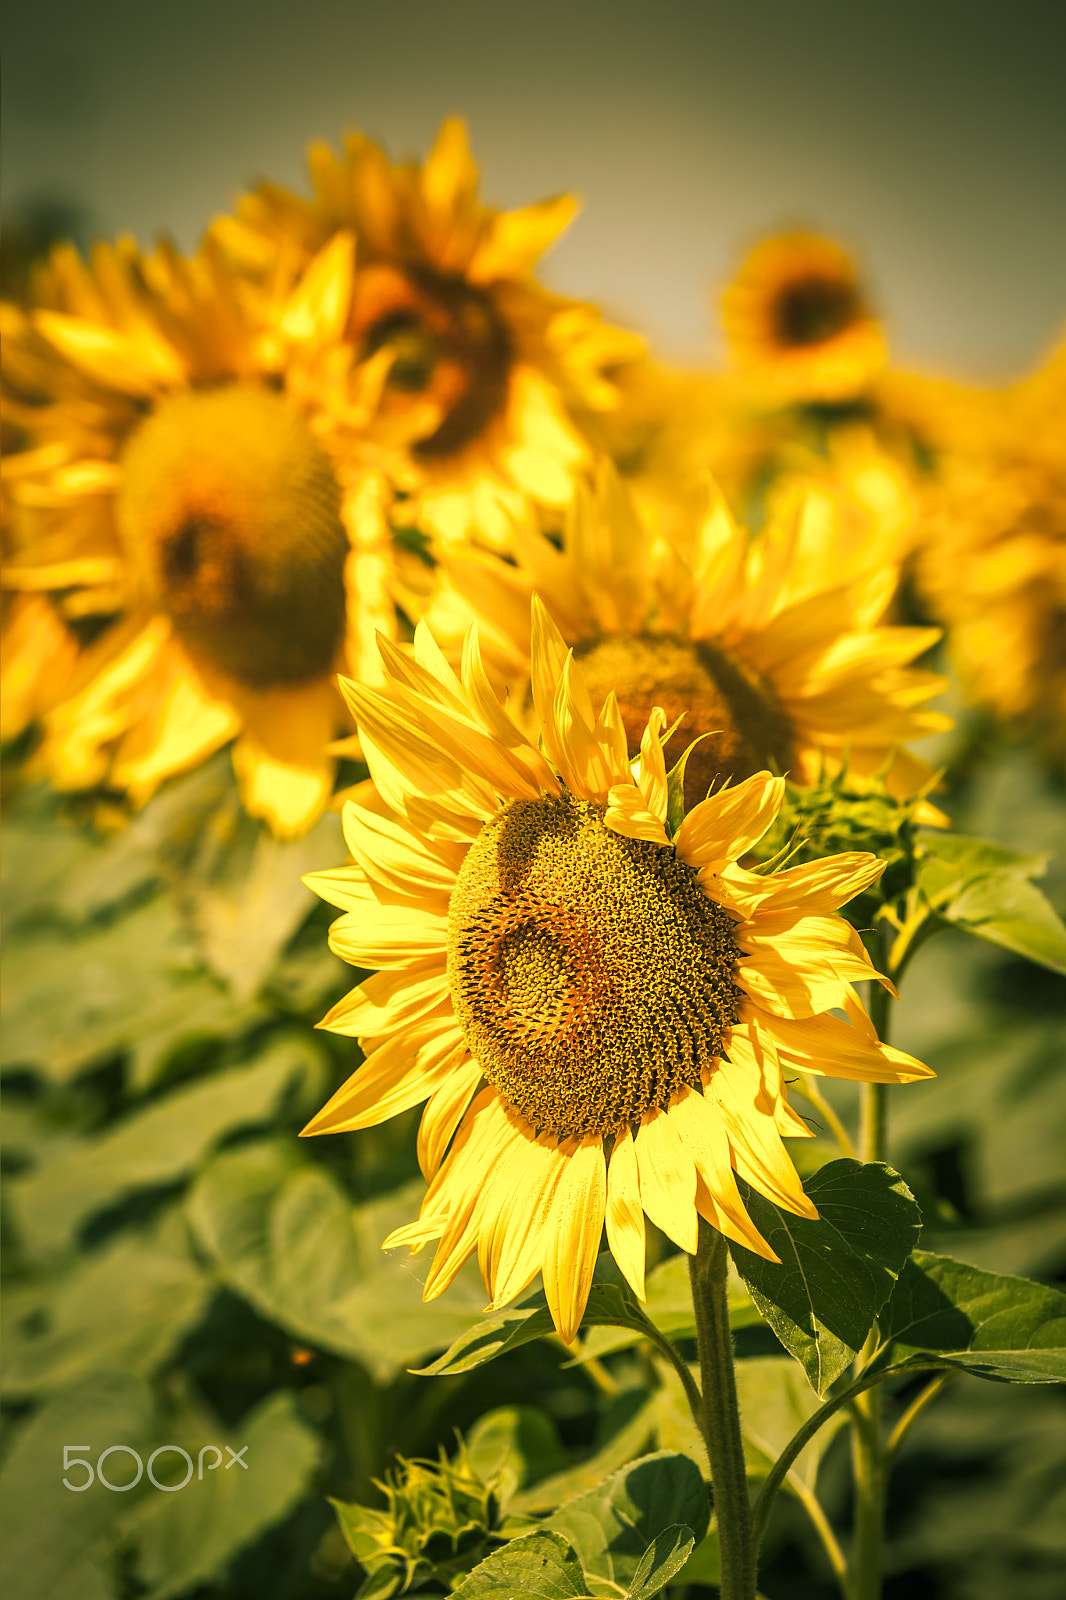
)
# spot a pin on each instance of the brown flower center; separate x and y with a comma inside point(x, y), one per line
point(230, 511)
point(449, 345)
point(590, 973)
point(814, 309)
point(716, 692)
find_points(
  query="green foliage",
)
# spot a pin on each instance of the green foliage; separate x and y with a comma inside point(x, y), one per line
point(629, 1537)
point(986, 890)
point(836, 1273)
point(945, 1313)
point(282, 1233)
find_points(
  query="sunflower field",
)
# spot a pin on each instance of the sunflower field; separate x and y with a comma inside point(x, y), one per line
point(533, 1033)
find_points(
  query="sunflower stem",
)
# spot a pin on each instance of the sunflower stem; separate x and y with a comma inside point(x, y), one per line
point(718, 1417)
point(867, 1434)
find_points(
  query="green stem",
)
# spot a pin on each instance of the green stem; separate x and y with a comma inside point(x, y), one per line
point(867, 1434)
point(718, 1417)
point(820, 1521)
point(803, 1436)
point(914, 1411)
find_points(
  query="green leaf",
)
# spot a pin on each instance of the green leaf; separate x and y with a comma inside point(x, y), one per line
point(125, 1307)
point(247, 905)
point(189, 1538)
point(283, 1234)
point(627, 1428)
point(155, 1146)
point(513, 1446)
point(775, 1401)
point(836, 1273)
point(661, 1561)
point(53, 1540)
point(945, 1313)
point(628, 1538)
point(610, 1301)
point(77, 997)
point(612, 1527)
point(540, 1566)
point(985, 889)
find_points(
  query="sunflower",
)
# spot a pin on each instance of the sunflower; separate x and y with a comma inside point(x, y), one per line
point(991, 557)
point(480, 372)
point(601, 1016)
point(773, 649)
point(797, 322)
point(193, 553)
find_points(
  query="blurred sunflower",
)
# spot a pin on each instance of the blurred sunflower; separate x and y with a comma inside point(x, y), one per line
point(772, 649)
point(602, 1017)
point(991, 557)
point(194, 558)
point(480, 372)
point(797, 322)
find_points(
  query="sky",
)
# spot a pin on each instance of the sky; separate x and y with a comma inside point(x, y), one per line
point(929, 136)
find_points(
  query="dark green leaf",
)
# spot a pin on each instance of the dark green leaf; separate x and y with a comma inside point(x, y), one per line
point(189, 1538)
point(540, 1565)
point(836, 1273)
point(661, 1561)
point(986, 890)
point(284, 1235)
point(53, 1539)
point(156, 1145)
point(611, 1527)
point(125, 1307)
point(945, 1313)
point(513, 1446)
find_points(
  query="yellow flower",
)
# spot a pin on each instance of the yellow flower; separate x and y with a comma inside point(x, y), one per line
point(601, 1018)
point(992, 555)
point(797, 322)
point(773, 649)
point(479, 371)
point(176, 502)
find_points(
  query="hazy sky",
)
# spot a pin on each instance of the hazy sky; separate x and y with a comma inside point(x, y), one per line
point(930, 135)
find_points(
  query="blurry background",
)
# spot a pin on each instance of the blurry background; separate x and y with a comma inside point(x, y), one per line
point(931, 137)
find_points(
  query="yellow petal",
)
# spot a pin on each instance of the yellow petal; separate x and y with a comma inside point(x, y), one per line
point(625, 1214)
point(444, 1111)
point(317, 310)
point(698, 1123)
point(667, 1180)
point(396, 1076)
point(726, 825)
point(574, 1234)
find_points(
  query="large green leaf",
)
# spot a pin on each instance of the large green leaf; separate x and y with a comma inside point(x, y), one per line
point(53, 1540)
point(77, 996)
point(945, 1313)
point(189, 1537)
point(539, 1565)
point(124, 1307)
point(629, 1537)
point(985, 889)
point(628, 1427)
point(284, 1235)
point(514, 1446)
point(775, 1401)
point(836, 1273)
point(157, 1145)
point(610, 1301)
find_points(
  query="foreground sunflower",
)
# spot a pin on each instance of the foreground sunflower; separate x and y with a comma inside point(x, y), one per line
point(194, 557)
point(797, 322)
point(481, 373)
point(773, 649)
point(601, 1015)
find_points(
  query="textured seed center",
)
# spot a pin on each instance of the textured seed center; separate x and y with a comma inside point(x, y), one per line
point(716, 693)
point(814, 309)
point(590, 973)
point(230, 511)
